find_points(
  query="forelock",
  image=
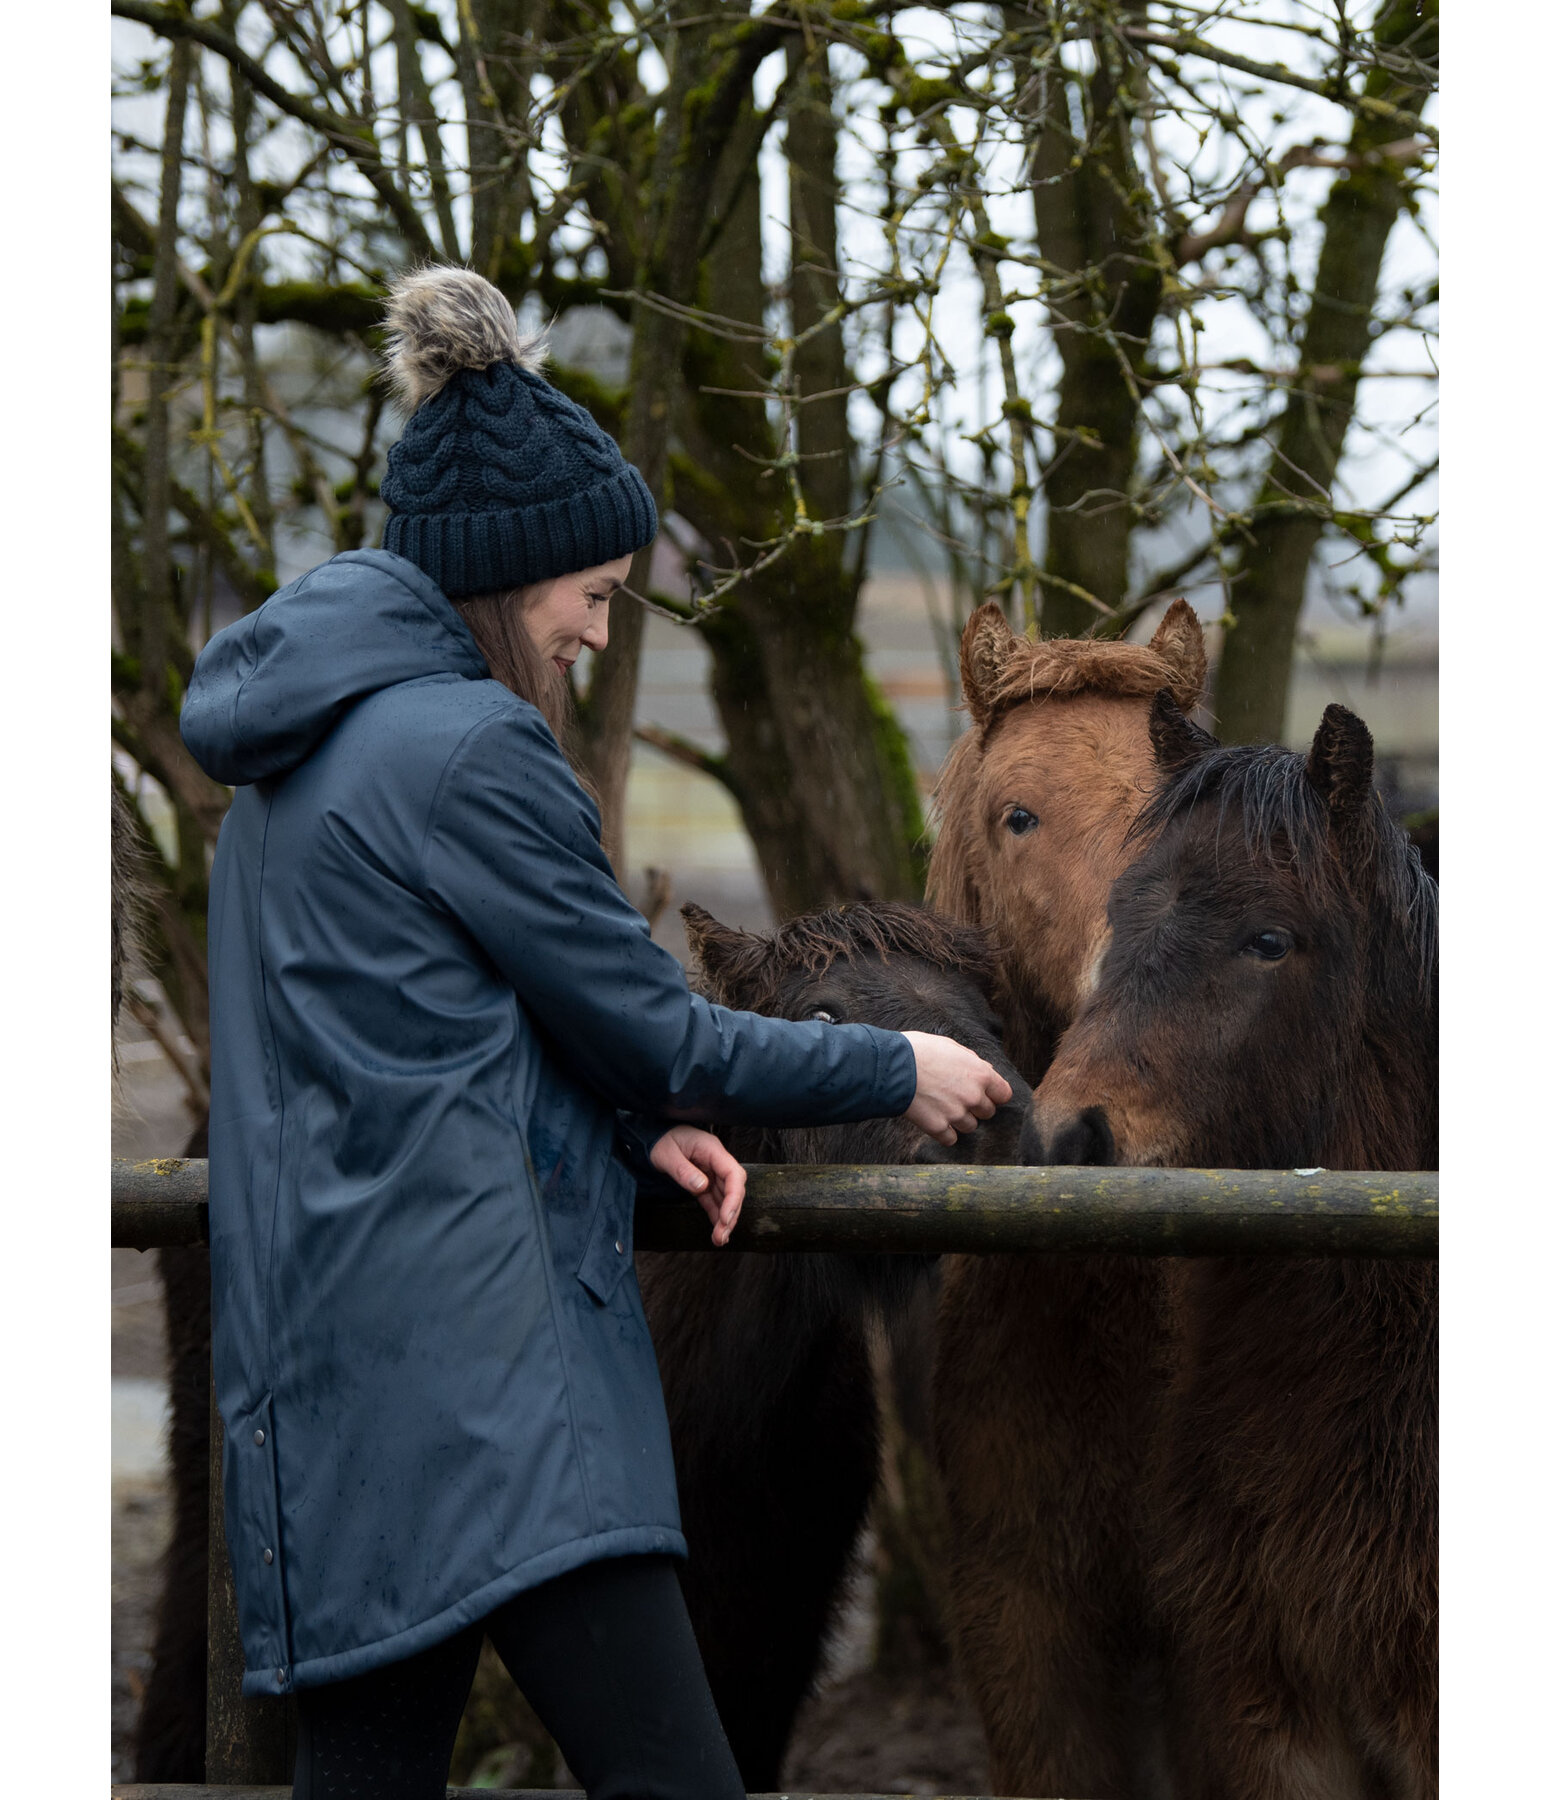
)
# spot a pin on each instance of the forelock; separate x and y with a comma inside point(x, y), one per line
point(1083, 666)
point(811, 944)
point(1285, 817)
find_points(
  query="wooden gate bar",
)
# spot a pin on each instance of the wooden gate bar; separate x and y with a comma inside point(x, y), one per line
point(923, 1208)
point(920, 1208)
point(941, 1207)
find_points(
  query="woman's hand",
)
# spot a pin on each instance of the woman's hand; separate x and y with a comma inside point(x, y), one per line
point(699, 1161)
point(954, 1088)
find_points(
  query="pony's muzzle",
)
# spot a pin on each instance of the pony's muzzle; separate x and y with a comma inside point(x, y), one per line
point(1085, 1139)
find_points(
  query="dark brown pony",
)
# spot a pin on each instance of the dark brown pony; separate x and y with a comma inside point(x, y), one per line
point(1269, 999)
point(1049, 1368)
point(764, 1359)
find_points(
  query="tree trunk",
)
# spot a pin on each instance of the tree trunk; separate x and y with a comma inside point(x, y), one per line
point(815, 758)
point(857, 820)
point(414, 106)
point(249, 216)
point(157, 601)
point(818, 367)
point(1087, 196)
point(814, 755)
point(608, 711)
point(1255, 673)
point(711, 78)
point(494, 70)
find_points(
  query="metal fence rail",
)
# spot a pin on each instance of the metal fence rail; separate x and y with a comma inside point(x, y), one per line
point(947, 1207)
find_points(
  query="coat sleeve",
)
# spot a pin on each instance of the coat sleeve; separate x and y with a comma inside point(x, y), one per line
point(513, 851)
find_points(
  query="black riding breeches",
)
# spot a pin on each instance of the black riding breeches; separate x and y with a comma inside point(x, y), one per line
point(605, 1656)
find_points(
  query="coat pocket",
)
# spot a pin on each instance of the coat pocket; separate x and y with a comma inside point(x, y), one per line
point(610, 1245)
point(253, 1538)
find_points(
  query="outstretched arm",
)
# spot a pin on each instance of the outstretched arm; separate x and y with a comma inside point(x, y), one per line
point(513, 852)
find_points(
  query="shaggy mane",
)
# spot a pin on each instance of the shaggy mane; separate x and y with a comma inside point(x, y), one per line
point(812, 943)
point(1279, 805)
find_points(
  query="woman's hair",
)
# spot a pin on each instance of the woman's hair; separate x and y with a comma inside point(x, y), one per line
point(497, 625)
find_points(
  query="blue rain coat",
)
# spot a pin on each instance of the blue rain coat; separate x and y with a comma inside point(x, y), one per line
point(429, 1001)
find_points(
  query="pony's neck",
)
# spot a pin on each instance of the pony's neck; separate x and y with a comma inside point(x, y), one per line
point(1380, 1124)
point(1387, 1117)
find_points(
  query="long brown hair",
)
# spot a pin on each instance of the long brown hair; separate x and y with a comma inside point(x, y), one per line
point(497, 624)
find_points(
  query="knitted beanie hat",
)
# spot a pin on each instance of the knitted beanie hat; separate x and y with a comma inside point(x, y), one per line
point(498, 479)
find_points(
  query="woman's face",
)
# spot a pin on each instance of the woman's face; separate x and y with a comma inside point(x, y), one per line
point(568, 611)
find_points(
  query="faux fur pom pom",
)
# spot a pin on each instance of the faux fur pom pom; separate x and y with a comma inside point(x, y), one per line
point(441, 319)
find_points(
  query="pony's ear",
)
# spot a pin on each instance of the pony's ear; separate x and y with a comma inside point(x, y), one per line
point(723, 952)
point(1340, 762)
point(983, 650)
point(1180, 642)
point(1176, 740)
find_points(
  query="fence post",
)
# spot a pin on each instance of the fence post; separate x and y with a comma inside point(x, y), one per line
point(245, 1740)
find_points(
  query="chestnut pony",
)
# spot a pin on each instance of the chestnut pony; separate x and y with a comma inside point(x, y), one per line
point(1269, 999)
point(1049, 1368)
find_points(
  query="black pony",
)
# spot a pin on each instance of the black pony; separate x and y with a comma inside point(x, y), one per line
point(764, 1359)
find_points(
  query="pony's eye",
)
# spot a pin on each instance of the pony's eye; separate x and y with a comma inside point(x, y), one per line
point(1019, 821)
point(1269, 946)
point(827, 1017)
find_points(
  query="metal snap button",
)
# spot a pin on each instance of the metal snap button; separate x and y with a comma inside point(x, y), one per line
point(269, 1556)
point(258, 1438)
point(279, 1678)
point(619, 1245)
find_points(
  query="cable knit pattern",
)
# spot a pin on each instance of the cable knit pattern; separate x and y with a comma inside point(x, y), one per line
point(500, 480)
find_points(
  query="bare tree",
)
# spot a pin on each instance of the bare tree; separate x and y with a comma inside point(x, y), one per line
point(1106, 180)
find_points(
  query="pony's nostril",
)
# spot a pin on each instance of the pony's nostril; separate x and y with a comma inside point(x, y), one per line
point(1087, 1140)
point(1102, 1135)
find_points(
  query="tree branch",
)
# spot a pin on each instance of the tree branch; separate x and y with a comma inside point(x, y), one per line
point(151, 738)
point(348, 135)
point(1187, 44)
point(691, 755)
point(1190, 246)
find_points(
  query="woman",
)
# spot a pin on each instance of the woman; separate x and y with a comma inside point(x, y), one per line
point(429, 1002)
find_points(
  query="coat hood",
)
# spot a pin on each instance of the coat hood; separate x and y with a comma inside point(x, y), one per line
point(266, 691)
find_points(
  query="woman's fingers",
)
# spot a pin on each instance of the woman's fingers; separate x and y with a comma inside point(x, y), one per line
point(701, 1164)
point(728, 1183)
point(711, 1155)
point(998, 1089)
point(954, 1088)
point(668, 1155)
